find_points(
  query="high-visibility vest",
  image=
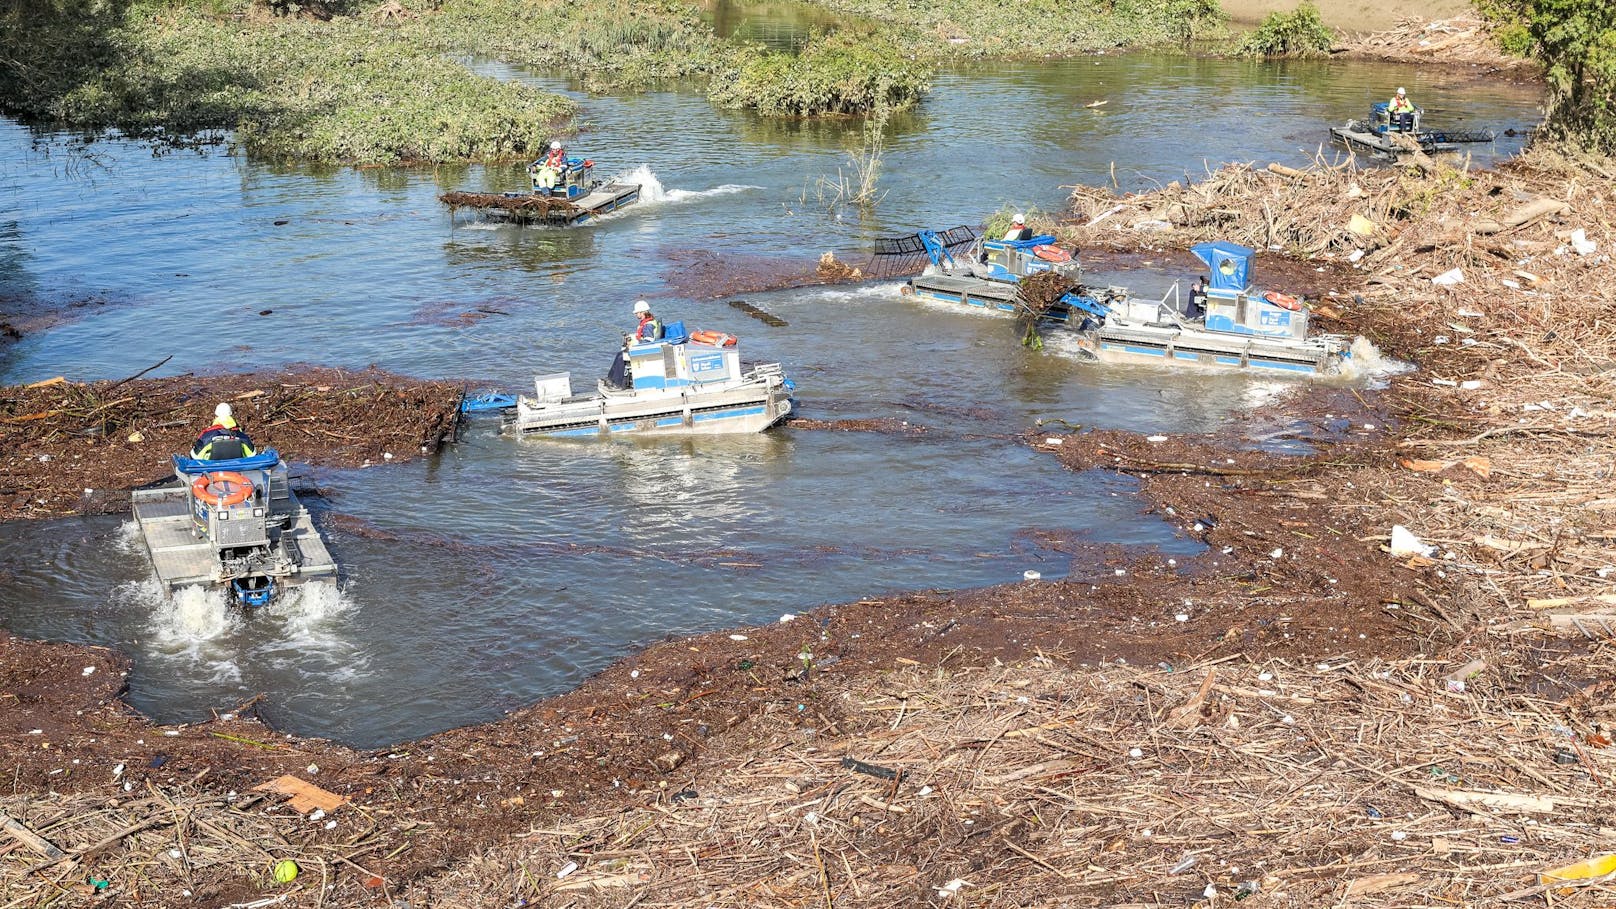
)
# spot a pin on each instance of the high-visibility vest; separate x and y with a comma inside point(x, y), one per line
point(219, 444)
point(649, 329)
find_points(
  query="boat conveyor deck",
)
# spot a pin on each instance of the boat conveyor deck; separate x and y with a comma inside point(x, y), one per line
point(182, 558)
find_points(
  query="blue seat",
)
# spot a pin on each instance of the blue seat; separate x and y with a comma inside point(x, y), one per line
point(267, 459)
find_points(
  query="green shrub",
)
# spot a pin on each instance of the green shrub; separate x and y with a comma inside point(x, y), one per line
point(1575, 41)
point(845, 73)
point(605, 44)
point(1299, 33)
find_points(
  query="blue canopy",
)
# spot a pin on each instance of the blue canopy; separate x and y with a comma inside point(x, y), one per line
point(1040, 240)
point(264, 460)
point(1230, 264)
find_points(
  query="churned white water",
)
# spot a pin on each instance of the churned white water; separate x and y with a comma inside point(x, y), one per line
point(1369, 364)
point(653, 192)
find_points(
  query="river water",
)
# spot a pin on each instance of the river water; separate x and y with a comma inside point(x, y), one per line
point(504, 571)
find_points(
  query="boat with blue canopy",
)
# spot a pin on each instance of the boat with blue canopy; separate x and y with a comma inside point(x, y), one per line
point(687, 383)
point(1240, 327)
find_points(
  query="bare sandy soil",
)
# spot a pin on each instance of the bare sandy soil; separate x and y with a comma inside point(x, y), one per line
point(1350, 15)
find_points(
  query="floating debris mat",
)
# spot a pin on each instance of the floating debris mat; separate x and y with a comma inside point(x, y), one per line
point(528, 207)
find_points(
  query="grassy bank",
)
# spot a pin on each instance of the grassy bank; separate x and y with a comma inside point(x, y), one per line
point(1038, 28)
point(341, 91)
point(605, 45)
point(377, 84)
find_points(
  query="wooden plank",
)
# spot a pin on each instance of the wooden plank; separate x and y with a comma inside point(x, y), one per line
point(305, 795)
point(29, 838)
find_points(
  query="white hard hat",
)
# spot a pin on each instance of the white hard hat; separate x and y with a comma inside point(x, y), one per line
point(222, 411)
point(1019, 219)
point(1400, 90)
point(556, 143)
point(641, 306)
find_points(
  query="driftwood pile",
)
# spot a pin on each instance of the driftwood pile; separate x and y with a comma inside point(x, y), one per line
point(159, 846)
point(1451, 216)
point(1420, 782)
point(1462, 39)
point(69, 447)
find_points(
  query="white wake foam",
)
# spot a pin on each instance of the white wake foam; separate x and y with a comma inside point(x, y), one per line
point(859, 293)
point(652, 191)
point(192, 625)
point(130, 539)
point(1367, 362)
point(313, 620)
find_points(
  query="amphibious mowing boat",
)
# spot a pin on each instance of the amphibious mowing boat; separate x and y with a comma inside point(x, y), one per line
point(576, 198)
point(689, 383)
point(1385, 135)
point(232, 524)
point(1240, 328)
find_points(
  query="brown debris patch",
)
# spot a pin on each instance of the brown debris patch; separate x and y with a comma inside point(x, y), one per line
point(888, 425)
point(1038, 784)
point(703, 275)
point(528, 206)
point(454, 314)
point(1036, 294)
point(68, 448)
point(26, 314)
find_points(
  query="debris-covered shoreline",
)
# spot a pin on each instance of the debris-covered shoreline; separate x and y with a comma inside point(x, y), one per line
point(78, 448)
point(1314, 711)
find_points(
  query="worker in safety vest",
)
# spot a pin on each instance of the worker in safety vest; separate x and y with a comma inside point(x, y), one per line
point(547, 171)
point(1401, 110)
point(1018, 229)
point(650, 327)
point(224, 440)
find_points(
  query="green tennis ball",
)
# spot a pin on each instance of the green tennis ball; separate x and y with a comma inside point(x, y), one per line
point(285, 871)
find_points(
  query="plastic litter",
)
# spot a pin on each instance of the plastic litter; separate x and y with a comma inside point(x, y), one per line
point(1580, 872)
point(1405, 543)
point(1184, 864)
point(1449, 278)
point(1030, 575)
point(1581, 243)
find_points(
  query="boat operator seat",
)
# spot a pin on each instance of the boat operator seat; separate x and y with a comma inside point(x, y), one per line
point(617, 377)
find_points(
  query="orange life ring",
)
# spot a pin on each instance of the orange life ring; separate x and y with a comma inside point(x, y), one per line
point(1283, 301)
point(222, 487)
point(1051, 253)
point(713, 338)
